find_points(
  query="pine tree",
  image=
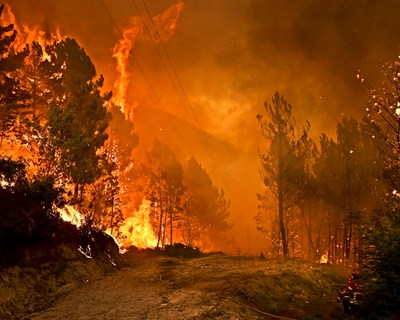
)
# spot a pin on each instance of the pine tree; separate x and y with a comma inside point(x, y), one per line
point(205, 210)
point(283, 166)
point(164, 189)
point(12, 98)
point(77, 118)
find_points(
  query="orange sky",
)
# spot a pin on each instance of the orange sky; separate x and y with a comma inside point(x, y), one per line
point(231, 56)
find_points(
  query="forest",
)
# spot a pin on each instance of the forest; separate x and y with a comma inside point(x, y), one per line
point(60, 133)
point(67, 155)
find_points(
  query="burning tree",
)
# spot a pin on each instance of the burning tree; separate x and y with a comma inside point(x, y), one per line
point(76, 117)
point(111, 192)
point(164, 190)
point(283, 167)
point(12, 98)
point(26, 204)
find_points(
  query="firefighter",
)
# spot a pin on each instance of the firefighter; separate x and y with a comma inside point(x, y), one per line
point(352, 294)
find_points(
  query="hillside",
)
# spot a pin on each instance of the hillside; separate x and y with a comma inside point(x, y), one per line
point(153, 286)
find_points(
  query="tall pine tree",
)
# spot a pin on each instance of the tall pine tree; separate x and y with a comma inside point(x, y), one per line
point(282, 166)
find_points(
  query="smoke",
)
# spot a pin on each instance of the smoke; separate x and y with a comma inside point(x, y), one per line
point(238, 53)
point(231, 56)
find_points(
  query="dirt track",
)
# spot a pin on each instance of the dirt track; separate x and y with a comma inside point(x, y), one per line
point(169, 288)
point(140, 292)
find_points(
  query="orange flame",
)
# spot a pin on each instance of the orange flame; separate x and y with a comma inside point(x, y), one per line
point(26, 34)
point(121, 53)
point(167, 21)
point(138, 230)
point(166, 24)
point(324, 258)
point(70, 214)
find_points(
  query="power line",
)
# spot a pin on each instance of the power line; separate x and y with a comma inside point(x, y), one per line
point(170, 62)
point(211, 152)
point(143, 73)
point(181, 88)
point(158, 52)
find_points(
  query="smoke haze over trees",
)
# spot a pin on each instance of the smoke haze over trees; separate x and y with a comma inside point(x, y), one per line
point(307, 51)
point(329, 191)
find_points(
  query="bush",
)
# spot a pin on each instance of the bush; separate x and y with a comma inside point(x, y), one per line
point(382, 260)
point(182, 251)
point(27, 218)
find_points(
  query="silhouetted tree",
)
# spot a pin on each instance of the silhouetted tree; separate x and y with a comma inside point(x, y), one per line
point(33, 79)
point(346, 176)
point(110, 195)
point(164, 189)
point(12, 97)
point(328, 184)
point(205, 210)
point(282, 166)
point(309, 214)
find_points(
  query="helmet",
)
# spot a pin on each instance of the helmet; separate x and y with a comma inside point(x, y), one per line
point(355, 273)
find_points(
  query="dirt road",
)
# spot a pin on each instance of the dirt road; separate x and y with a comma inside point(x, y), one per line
point(138, 292)
point(214, 287)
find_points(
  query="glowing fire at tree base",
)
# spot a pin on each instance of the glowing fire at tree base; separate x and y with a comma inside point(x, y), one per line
point(72, 215)
point(324, 258)
point(138, 230)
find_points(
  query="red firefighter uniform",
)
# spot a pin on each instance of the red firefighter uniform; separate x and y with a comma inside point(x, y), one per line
point(352, 294)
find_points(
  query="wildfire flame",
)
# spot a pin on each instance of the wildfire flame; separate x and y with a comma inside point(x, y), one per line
point(28, 34)
point(167, 21)
point(121, 53)
point(70, 214)
point(166, 24)
point(324, 258)
point(137, 230)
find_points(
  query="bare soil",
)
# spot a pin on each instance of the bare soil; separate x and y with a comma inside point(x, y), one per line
point(211, 287)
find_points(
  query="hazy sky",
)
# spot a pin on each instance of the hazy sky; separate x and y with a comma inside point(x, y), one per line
point(231, 56)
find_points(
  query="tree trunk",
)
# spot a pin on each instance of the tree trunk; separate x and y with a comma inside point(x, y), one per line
point(329, 242)
point(161, 224)
point(112, 215)
point(170, 219)
point(335, 244)
point(282, 229)
point(76, 191)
